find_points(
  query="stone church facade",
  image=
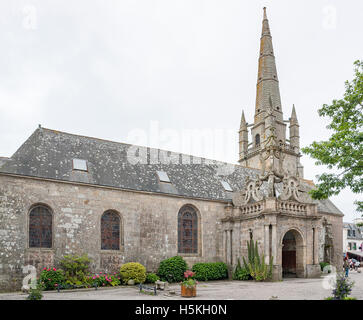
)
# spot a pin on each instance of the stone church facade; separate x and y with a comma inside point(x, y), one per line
point(68, 194)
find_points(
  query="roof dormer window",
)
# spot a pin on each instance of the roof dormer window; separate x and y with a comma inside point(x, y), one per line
point(226, 186)
point(80, 164)
point(163, 176)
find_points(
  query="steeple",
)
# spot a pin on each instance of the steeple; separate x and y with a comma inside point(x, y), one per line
point(268, 91)
point(269, 150)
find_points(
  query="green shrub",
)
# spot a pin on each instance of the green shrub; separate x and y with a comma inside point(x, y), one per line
point(172, 269)
point(102, 280)
point(323, 265)
point(210, 271)
point(51, 278)
point(35, 293)
point(343, 287)
point(241, 273)
point(151, 278)
point(133, 271)
point(256, 265)
point(75, 269)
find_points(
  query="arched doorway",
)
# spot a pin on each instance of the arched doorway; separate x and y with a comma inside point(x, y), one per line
point(293, 258)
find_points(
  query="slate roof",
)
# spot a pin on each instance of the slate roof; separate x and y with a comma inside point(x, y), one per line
point(49, 154)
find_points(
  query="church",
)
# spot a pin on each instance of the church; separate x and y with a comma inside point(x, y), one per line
point(62, 193)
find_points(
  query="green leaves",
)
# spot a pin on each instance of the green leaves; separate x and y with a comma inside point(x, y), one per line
point(172, 269)
point(256, 265)
point(205, 271)
point(343, 151)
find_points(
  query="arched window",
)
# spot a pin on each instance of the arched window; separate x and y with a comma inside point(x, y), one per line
point(187, 230)
point(110, 231)
point(40, 227)
point(257, 140)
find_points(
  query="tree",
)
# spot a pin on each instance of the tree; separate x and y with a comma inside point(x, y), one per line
point(343, 151)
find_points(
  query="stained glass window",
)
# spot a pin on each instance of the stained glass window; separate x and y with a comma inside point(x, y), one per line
point(110, 231)
point(40, 227)
point(187, 230)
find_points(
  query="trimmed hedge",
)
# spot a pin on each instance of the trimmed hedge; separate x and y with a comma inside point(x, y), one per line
point(133, 271)
point(210, 271)
point(172, 269)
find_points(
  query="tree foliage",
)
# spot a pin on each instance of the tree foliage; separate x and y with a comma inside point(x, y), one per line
point(343, 151)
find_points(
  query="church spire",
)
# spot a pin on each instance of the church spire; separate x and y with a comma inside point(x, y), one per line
point(268, 92)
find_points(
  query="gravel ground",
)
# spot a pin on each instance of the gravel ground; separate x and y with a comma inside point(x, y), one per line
point(288, 289)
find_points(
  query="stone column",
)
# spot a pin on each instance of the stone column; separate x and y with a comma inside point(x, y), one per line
point(224, 253)
point(267, 243)
point(228, 239)
point(274, 243)
point(316, 246)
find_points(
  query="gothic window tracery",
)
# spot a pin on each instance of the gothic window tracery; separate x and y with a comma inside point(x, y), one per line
point(40, 227)
point(110, 231)
point(187, 230)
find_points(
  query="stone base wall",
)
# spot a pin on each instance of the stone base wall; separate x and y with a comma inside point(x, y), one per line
point(313, 271)
point(149, 223)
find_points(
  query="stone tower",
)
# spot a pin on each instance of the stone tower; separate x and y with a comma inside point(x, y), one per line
point(269, 148)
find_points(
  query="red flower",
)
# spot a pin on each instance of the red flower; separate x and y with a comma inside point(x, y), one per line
point(188, 274)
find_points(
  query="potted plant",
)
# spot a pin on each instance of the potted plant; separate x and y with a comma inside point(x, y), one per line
point(189, 285)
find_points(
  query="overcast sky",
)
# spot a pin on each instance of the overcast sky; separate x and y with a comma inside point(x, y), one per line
point(152, 71)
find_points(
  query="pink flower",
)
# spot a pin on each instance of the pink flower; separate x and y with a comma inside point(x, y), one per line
point(56, 285)
point(48, 269)
point(103, 284)
point(188, 274)
point(54, 269)
point(44, 268)
point(98, 276)
point(93, 278)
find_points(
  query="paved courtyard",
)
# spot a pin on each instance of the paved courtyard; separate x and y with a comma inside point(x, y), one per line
point(288, 289)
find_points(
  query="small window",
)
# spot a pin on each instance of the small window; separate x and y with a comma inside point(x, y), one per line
point(226, 186)
point(257, 140)
point(79, 164)
point(163, 176)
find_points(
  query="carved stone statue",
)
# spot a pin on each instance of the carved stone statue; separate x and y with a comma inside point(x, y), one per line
point(251, 192)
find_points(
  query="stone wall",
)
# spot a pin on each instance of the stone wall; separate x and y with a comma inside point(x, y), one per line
point(149, 226)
